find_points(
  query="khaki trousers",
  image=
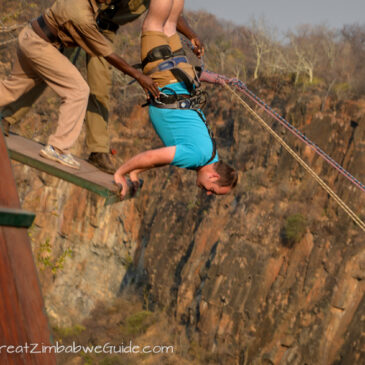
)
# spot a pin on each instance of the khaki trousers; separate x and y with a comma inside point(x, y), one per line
point(37, 61)
point(99, 80)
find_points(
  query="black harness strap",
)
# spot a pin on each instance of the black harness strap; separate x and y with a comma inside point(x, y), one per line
point(182, 76)
point(158, 53)
point(164, 53)
point(211, 135)
point(179, 52)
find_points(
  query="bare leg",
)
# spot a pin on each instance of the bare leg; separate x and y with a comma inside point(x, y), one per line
point(170, 25)
point(159, 28)
point(163, 16)
point(157, 15)
point(172, 35)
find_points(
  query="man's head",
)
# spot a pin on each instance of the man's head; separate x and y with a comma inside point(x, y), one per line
point(217, 178)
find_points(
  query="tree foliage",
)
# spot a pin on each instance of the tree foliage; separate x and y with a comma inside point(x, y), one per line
point(309, 55)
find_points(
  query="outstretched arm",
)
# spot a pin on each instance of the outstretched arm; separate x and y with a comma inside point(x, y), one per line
point(184, 28)
point(141, 162)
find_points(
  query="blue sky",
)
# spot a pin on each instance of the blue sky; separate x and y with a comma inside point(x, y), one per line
point(285, 14)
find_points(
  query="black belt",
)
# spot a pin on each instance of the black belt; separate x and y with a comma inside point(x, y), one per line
point(167, 99)
point(179, 101)
point(104, 24)
point(45, 28)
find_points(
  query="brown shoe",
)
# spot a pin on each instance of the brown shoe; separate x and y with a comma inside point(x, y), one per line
point(102, 161)
point(5, 126)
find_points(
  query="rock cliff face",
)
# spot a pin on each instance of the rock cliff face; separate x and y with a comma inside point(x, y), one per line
point(271, 274)
point(223, 267)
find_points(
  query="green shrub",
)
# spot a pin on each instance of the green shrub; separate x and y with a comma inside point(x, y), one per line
point(45, 259)
point(294, 229)
point(139, 322)
point(70, 331)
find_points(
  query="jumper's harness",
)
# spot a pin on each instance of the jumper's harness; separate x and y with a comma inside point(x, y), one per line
point(194, 100)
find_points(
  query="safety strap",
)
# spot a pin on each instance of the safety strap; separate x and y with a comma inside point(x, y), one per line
point(211, 135)
point(168, 64)
point(179, 52)
point(180, 101)
point(181, 75)
point(171, 61)
point(158, 53)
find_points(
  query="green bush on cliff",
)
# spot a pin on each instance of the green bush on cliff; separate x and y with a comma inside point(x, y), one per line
point(294, 229)
point(70, 331)
point(138, 322)
point(45, 259)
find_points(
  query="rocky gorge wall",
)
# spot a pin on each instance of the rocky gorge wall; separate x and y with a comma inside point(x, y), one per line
point(221, 266)
point(241, 283)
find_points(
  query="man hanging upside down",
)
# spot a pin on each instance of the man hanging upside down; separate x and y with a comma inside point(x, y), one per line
point(176, 114)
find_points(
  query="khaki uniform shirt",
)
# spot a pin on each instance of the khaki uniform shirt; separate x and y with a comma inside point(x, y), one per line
point(74, 21)
point(127, 11)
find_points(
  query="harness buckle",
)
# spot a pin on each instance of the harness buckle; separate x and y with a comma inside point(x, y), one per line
point(157, 101)
point(185, 104)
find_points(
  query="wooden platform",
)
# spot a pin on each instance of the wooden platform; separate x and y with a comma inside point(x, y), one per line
point(88, 177)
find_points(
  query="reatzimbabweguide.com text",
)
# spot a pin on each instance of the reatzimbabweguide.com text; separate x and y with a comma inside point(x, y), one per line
point(108, 348)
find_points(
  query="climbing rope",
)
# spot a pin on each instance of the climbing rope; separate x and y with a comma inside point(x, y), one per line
point(339, 201)
point(243, 88)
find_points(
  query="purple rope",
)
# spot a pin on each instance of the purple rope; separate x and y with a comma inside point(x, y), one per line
point(243, 88)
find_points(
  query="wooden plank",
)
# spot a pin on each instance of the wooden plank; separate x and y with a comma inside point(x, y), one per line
point(12, 331)
point(22, 314)
point(16, 217)
point(88, 177)
point(28, 290)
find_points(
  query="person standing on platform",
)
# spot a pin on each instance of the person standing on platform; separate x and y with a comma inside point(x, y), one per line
point(110, 18)
point(66, 23)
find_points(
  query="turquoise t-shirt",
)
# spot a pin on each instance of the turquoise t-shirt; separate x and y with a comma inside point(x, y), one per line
point(184, 129)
